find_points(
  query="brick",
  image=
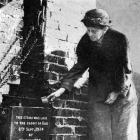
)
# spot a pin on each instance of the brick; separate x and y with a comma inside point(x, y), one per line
point(59, 103)
point(52, 137)
point(51, 58)
point(59, 53)
point(51, 76)
point(74, 121)
point(58, 121)
point(59, 137)
point(71, 137)
point(62, 112)
point(55, 86)
point(58, 68)
point(61, 61)
point(67, 96)
point(80, 113)
point(81, 130)
point(62, 130)
point(76, 104)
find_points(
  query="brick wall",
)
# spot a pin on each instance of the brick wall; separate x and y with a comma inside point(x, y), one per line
point(10, 26)
point(63, 32)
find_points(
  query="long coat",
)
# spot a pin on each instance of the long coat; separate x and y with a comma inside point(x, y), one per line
point(109, 69)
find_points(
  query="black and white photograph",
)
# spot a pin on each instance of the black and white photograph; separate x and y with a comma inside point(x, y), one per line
point(69, 70)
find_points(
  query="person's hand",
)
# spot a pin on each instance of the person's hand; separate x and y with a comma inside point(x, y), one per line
point(111, 98)
point(81, 81)
point(53, 95)
point(78, 84)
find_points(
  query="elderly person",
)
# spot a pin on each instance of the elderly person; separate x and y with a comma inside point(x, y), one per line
point(112, 108)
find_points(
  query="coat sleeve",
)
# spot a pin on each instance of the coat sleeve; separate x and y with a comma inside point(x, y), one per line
point(78, 69)
point(127, 67)
point(126, 58)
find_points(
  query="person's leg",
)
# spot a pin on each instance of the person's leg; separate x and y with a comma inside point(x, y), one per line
point(124, 118)
point(99, 122)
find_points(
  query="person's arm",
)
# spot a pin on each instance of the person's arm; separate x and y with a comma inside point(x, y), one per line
point(127, 74)
point(80, 67)
point(67, 82)
point(73, 75)
point(53, 95)
point(81, 81)
point(127, 68)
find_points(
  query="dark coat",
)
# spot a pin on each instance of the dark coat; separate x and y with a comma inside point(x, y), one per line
point(109, 66)
point(108, 56)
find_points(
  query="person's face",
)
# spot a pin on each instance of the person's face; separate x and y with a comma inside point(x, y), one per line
point(94, 33)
